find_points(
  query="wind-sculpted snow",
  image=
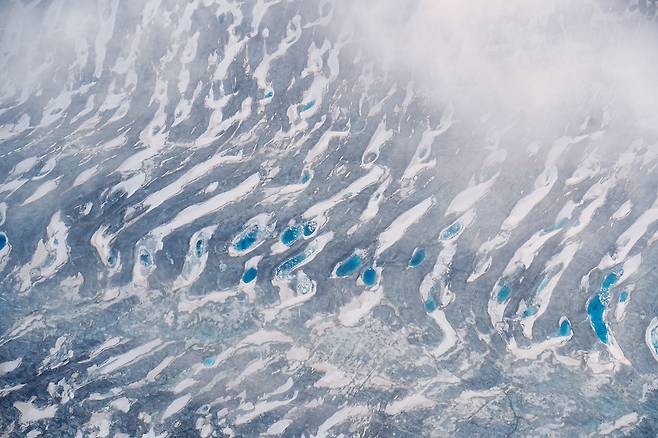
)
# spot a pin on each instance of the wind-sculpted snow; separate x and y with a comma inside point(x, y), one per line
point(232, 219)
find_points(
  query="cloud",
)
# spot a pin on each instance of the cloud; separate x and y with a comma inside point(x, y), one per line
point(39, 39)
point(529, 61)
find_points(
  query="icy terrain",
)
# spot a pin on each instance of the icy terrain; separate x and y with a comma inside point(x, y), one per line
point(328, 218)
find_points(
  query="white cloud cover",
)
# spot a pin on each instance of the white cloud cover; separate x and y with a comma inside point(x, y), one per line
point(520, 60)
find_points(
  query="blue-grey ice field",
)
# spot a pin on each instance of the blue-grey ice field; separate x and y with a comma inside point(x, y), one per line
point(328, 218)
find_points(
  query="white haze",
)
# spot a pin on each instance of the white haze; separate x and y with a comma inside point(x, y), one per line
point(538, 63)
point(47, 44)
point(532, 62)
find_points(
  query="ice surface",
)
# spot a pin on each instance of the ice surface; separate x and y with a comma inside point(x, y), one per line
point(324, 218)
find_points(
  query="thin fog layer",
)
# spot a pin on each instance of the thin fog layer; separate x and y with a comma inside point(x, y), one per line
point(530, 61)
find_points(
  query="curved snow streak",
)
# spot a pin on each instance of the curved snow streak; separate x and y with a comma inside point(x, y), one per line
point(130, 185)
point(349, 192)
point(278, 428)
point(589, 167)
point(175, 406)
point(396, 230)
point(156, 199)
point(196, 211)
point(258, 12)
point(314, 94)
point(293, 33)
point(31, 413)
point(533, 351)
point(552, 343)
point(421, 159)
point(340, 417)
point(85, 176)
point(41, 191)
point(623, 210)
point(596, 196)
point(621, 424)
point(374, 204)
point(49, 257)
point(217, 127)
point(9, 131)
point(470, 196)
point(262, 408)
point(10, 365)
point(651, 337)
point(615, 350)
point(117, 362)
point(188, 55)
point(630, 267)
point(436, 301)
point(234, 45)
point(409, 403)
point(288, 192)
point(55, 109)
point(190, 305)
point(378, 139)
point(318, 151)
point(377, 108)
point(184, 106)
point(216, 122)
point(107, 345)
point(450, 337)
point(23, 166)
